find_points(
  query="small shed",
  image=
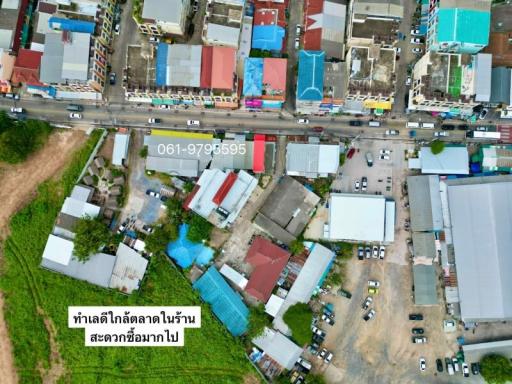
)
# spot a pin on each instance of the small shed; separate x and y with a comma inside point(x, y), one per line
point(88, 180)
point(93, 170)
point(119, 180)
point(100, 162)
point(120, 152)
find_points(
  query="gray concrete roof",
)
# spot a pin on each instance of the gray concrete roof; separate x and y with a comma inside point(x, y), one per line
point(425, 203)
point(278, 347)
point(52, 59)
point(425, 280)
point(168, 11)
point(500, 85)
point(184, 65)
point(312, 160)
point(384, 8)
point(424, 244)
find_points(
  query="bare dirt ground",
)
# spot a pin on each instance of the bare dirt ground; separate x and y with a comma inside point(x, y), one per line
point(19, 183)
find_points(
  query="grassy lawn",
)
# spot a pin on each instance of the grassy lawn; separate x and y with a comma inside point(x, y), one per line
point(33, 296)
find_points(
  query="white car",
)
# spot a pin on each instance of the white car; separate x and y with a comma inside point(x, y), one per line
point(117, 28)
point(419, 339)
point(441, 134)
point(415, 40)
point(385, 152)
point(298, 29)
point(154, 120)
point(297, 43)
point(367, 302)
point(325, 355)
point(154, 39)
point(415, 32)
point(373, 283)
point(375, 254)
point(165, 106)
point(193, 123)
point(465, 370)
point(408, 81)
point(382, 252)
point(16, 110)
point(364, 184)
point(392, 132)
point(74, 115)
point(357, 185)
point(423, 364)
point(303, 121)
point(398, 50)
point(370, 315)
point(417, 50)
point(384, 157)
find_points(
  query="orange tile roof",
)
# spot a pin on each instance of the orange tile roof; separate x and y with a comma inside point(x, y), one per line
point(500, 48)
point(223, 67)
point(274, 73)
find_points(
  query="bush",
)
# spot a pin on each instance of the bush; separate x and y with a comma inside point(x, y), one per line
point(199, 229)
point(144, 152)
point(297, 246)
point(321, 185)
point(258, 320)
point(298, 317)
point(437, 147)
point(496, 369)
point(90, 235)
point(157, 241)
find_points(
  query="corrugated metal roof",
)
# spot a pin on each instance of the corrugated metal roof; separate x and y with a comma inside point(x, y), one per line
point(310, 81)
point(58, 250)
point(129, 269)
point(483, 68)
point(463, 25)
point(226, 304)
point(174, 166)
point(425, 280)
point(52, 59)
point(234, 276)
point(501, 85)
point(71, 25)
point(78, 208)
point(253, 77)
point(312, 160)
point(120, 152)
point(453, 160)
point(184, 65)
point(267, 37)
point(75, 64)
point(168, 11)
point(425, 203)
point(281, 349)
point(424, 244)
point(81, 193)
point(221, 34)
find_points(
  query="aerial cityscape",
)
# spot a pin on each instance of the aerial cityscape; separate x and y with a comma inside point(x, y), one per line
point(255, 191)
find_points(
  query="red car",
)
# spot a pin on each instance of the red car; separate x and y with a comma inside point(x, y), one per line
point(350, 153)
point(318, 129)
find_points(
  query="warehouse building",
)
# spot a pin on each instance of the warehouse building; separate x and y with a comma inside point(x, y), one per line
point(312, 160)
point(425, 203)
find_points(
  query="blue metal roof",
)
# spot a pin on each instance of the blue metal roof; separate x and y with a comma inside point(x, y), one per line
point(161, 64)
point(310, 81)
point(71, 25)
point(268, 37)
point(464, 25)
point(226, 304)
point(253, 76)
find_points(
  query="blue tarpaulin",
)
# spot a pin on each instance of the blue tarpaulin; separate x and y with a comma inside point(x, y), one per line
point(268, 37)
point(71, 25)
point(226, 304)
point(185, 252)
point(253, 76)
point(161, 64)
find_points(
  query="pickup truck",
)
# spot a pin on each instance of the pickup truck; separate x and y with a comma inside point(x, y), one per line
point(344, 293)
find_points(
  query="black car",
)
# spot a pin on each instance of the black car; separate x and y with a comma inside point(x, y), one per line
point(415, 316)
point(463, 127)
point(112, 78)
point(418, 331)
point(355, 123)
point(475, 368)
point(448, 127)
point(439, 365)
point(360, 253)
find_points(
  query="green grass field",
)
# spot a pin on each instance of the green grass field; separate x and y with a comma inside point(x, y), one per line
point(210, 355)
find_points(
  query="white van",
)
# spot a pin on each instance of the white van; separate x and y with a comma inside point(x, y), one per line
point(413, 124)
point(428, 125)
point(373, 123)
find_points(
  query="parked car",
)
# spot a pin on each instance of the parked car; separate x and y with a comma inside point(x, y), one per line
point(328, 319)
point(350, 153)
point(344, 293)
point(367, 302)
point(475, 368)
point(303, 121)
point(384, 157)
point(392, 132)
point(373, 291)
point(314, 348)
point(147, 228)
point(448, 127)
point(465, 370)
point(455, 364)
point(418, 331)
point(385, 152)
point(304, 365)
point(482, 128)
point(154, 40)
point(483, 113)
point(417, 50)
point(16, 110)
point(325, 355)
point(423, 364)
point(75, 116)
point(370, 315)
point(355, 123)
point(416, 32)
point(382, 252)
point(374, 283)
point(117, 28)
point(441, 134)
point(318, 129)
point(152, 193)
point(154, 120)
point(364, 183)
point(298, 29)
point(415, 316)
point(375, 255)
point(193, 123)
point(112, 78)
point(439, 365)
point(164, 106)
point(449, 366)
point(360, 252)
point(357, 184)
point(318, 332)
point(419, 339)
point(297, 43)
point(368, 252)
point(416, 40)
point(408, 80)
point(463, 127)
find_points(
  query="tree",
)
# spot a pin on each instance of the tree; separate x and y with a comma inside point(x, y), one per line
point(297, 246)
point(437, 147)
point(144, 152)
point(258, 320)
point(90, 236)
point(188, 187)
point(157, 241)
point(298, 317)
point(315, 379)
point(174, 210)
point(496, 369)
point(199, 229)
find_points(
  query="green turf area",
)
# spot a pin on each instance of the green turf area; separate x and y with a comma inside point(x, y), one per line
point(455, 82)
point(210, 355)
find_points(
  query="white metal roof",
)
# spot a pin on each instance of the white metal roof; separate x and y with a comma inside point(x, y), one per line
point(483, 77)
point(184, 65)
point(129, 269)
point(81, 193)
point(120, 152)
point(389, 226)
point(233, 276)
point(451, 161)
point(357, 217)
point(222, 35)
point(58, 250)
point(312, 160)
point(173, 166)
point(278, 347)
point(78, 208)
point(273, 305)
point(168, 11)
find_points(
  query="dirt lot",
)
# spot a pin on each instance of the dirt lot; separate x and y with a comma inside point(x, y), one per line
point(19, 183)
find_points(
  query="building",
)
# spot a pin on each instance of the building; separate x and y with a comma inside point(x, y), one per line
point(500, 48)
point(496, 158)
point(335, 87)
point(264, 83)
point(268, 261)
point(453, 160)
point(233, 276)
point(388, 9)
point(501, 90)
point(120, 151)
point(425, 203)
point(129, 269)
point(178, 66)
point(445, 83)
point(425, 279)
point(11, 12)
point(168, 152)
point(268, 37)
point(222, 23)
point(360, 218)
point(287, 210)
point(310, 82)
point(324, 27)
point(479, 221)
point(310, 277)
point(26, 68)
point(312, 160)
point(6, 69)
point(220, 196)
point(371, 77)
point(163, 17)
point(483, 66)
point(458, 26)
point(281, 349)
point(226, 304)
point(475, 352)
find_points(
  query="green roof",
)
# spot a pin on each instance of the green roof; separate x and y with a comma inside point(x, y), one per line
point(463, 25)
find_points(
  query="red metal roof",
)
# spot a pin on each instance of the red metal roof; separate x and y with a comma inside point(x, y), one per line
point(268, 261)
point(258, 159)
point(190, 197)
point(206, 67)
point(221, 193)
point(26, 67)
point(274, 73)
point(280, 7)
point(265, 16)
point(312, 38)
point(223, 67)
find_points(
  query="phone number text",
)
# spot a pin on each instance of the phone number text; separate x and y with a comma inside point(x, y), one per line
point(202, 149)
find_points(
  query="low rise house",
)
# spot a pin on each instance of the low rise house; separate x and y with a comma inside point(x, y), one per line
point(26, 68)
point(223, 21)
point(312, 160)
point(120, 151)
point(281, 349)
point(268, 37)
point(496, 158)
point(158, 17)
point(453, 160)
point(425, 203)
point(264, 83)
point(220, 196)
point(310, 82)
